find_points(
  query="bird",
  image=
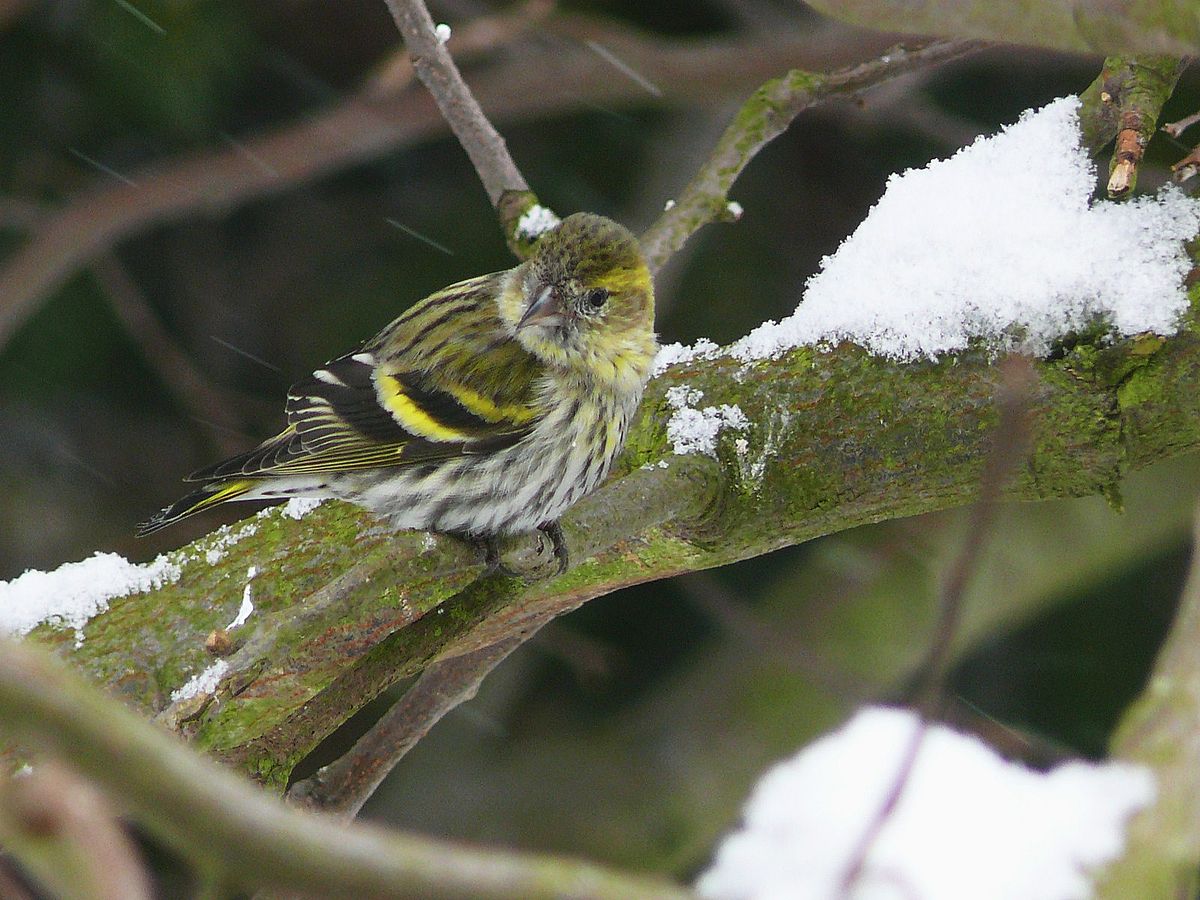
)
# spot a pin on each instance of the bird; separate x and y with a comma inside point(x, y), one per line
point(485, 410)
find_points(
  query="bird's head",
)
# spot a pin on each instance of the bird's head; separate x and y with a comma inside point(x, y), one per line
point(585, 301)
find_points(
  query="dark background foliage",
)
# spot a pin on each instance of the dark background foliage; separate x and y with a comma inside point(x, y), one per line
point(585, 738)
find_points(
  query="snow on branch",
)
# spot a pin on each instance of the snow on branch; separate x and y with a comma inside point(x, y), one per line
point(999, 244)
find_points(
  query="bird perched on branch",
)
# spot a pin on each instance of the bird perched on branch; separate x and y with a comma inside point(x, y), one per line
point(486, 409)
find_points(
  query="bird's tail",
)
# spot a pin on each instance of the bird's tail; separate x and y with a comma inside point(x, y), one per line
point(205, 497)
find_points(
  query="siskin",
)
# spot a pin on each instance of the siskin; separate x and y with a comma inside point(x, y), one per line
point(486, 409)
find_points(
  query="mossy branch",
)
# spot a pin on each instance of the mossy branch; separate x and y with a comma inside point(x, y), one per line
point(1123, 104)
point(762, 118)
point(836, 438)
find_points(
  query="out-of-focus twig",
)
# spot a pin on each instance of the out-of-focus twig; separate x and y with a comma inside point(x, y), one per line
point(343, 786)
point(768, 112)
point(169, 361)
point(1161, 730)
point(68, 836)
point(227, 825)
point(1009, 448)
point(1081, 26)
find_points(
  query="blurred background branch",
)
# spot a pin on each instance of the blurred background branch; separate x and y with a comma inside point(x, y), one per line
point(224, 824)
point(1081, 26)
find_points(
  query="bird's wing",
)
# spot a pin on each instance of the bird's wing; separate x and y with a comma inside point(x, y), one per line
point(443, 380)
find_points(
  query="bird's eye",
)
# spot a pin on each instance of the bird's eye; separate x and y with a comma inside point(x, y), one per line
point(595, 299)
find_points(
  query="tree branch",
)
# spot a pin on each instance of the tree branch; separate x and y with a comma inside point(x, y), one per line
point(1124, 102)
point(345, 608)
point(505, 186)
point(766, 115)
point(1080, 26)
point(346, 784)
point(217, 819)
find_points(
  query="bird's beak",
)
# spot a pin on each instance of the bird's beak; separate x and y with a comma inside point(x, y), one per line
point(544, 310)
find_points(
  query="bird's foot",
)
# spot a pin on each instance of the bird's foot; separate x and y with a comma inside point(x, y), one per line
point(558, 541)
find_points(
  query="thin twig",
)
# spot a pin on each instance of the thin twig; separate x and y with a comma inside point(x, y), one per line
point(1009, 448)
point(342, 787)
point(766, 115)
point(458, 105)
point(227, 825)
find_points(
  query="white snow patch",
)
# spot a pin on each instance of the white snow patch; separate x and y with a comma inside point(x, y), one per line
point(1001, 243)
point(225, 537)
point(693, 430)
point(247, 606)
point(674, 354)
point(442, 32)
point(967, 823)
point(998, 242)
point(201, 683)
point(74, 592)
point(536, 221)
point(299, 507)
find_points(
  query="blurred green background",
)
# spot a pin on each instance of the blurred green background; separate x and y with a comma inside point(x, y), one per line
point(631, 730)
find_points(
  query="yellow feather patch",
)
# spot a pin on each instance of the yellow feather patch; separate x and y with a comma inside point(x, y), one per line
point(226, 492)
point(486, 408)
point(622, 279)
point(410, 416)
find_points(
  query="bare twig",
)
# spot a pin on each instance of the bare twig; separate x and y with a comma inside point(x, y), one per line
point(342, 787)
point(1009, 448)
point(1187, 167)
point(766, 115)
point(227, 825)
point(458, 105)
point(1179, 126)
point(68, 836)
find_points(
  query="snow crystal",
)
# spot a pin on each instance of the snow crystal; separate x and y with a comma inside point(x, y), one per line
point(201, 683)
point(967, 823)
point(693, 430)
point(999, 242)
point(536, 221)
point(74, 592)
point(442, 32)
point(299, 507)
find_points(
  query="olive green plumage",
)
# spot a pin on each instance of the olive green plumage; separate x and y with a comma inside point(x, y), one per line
point(487, 408)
